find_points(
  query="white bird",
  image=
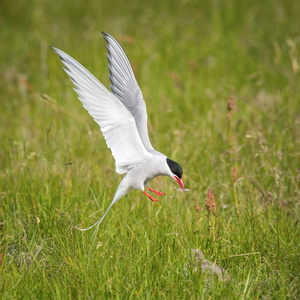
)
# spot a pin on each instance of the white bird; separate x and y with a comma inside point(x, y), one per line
point(122, 117)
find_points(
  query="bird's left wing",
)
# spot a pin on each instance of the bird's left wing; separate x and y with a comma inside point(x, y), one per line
point(116, 122)
point(125, 87)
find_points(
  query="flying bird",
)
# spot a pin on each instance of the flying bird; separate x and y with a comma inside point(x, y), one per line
point(122, 118)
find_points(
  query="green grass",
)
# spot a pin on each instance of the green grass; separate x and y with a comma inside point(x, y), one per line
point(189, 58)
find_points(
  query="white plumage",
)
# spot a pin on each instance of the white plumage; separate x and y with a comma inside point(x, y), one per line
point(122, 118)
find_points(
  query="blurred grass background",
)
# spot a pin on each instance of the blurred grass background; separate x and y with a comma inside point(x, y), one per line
point(189, 58)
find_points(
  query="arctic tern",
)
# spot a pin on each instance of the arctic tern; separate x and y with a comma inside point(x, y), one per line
point(122, 117)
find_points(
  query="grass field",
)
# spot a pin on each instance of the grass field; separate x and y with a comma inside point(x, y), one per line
point(190, 58)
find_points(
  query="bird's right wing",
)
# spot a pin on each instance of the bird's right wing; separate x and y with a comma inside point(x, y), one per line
point(116, 122)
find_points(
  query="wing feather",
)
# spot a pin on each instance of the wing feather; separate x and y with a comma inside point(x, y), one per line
point(116, 122)
point(125, 87)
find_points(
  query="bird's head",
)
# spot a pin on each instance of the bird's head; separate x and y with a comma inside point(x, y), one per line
point(175, 172)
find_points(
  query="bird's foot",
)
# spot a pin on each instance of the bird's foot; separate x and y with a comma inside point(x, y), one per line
point(153, 199)
point(156, 192)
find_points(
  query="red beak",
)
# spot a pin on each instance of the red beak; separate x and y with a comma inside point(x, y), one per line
point(180, 182)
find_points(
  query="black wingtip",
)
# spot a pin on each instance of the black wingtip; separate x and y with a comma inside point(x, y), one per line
point(53, 48)
point(105, 35)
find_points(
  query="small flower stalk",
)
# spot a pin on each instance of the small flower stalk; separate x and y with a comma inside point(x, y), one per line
point(210, 203)
point(234, 176)
point(211, 208)
point(231, 110)
point(198, 210)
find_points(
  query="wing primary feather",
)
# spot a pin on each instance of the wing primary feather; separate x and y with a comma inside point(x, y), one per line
point(125, 87)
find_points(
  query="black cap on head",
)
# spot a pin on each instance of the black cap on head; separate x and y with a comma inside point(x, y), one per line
point(175, 168)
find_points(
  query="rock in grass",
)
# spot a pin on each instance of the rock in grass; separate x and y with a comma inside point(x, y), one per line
point(207, 266)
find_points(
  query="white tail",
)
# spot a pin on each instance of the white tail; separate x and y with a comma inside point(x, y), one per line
point(121, 192)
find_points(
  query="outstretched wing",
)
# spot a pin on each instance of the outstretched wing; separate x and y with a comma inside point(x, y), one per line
point(125, 87)
point(116, 122)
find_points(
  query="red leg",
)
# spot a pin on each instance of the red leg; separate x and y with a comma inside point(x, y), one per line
point(156, 192)
point(153, 199)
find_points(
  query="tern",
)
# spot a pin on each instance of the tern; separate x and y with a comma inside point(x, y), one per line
point(122, 118)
